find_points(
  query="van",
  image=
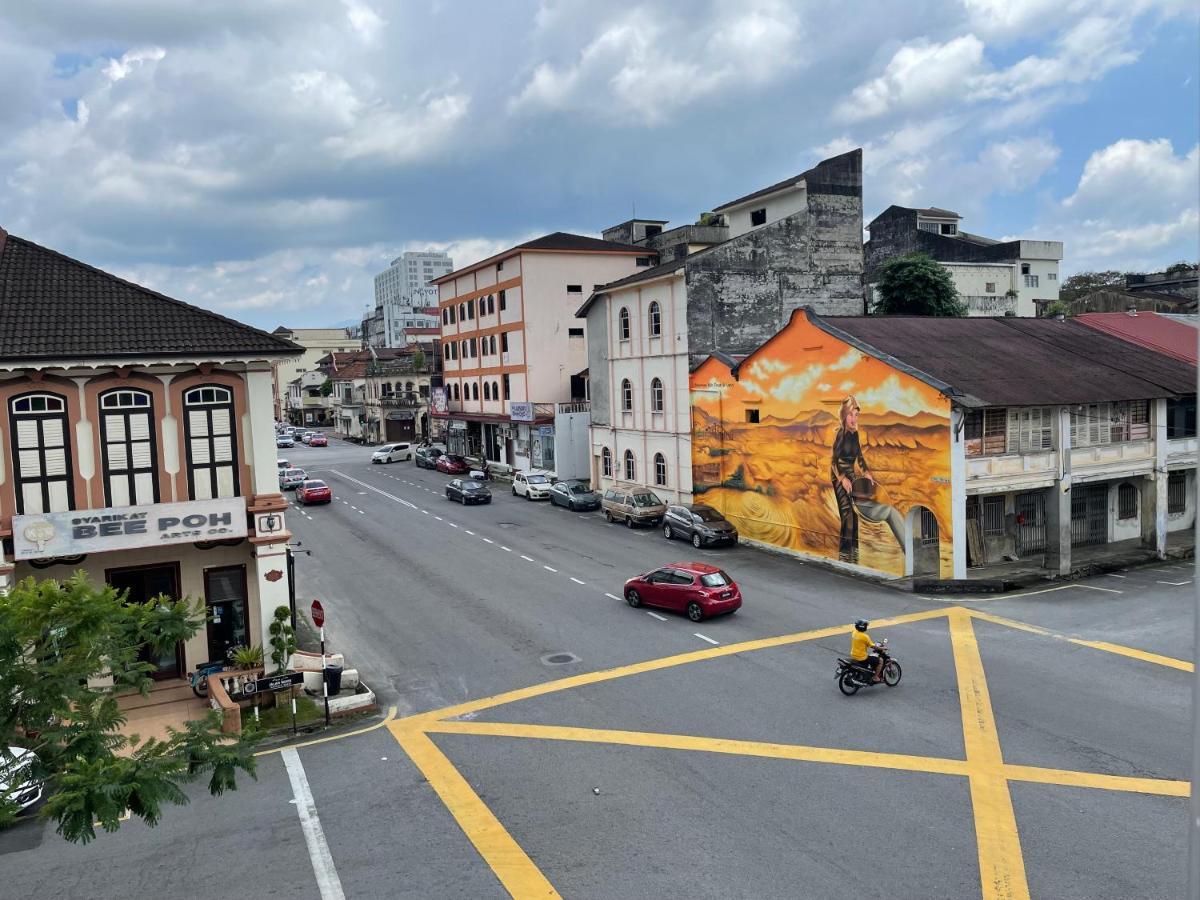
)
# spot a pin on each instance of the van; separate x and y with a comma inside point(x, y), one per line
point(389, 453)
point(633, 506)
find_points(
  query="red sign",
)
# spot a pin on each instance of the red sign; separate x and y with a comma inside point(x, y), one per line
point(318, 614)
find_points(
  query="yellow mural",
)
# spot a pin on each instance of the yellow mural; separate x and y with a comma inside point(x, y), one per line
point(819, 448)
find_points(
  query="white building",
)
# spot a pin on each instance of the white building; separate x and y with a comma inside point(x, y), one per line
point(405, 299)
point(317, 342)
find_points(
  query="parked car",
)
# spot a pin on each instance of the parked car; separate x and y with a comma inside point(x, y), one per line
point(313, 491)
point(290, 479)
point(390, 453)
point(284, 441)
point(14, 770)
point(700, 524)
point(693, 588)
point(574, 495)
point(531, 485)
point(427, 457)
point(633, 506)
point(465, 491)
point(318, 440)
point(452, 464)
point(282, 464)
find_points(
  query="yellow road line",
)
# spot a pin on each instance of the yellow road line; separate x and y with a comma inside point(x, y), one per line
point(511, 864)
point(836, 755)
point(1161, 786)
point(653, 665)
point(391, 715)
point(1001, 865)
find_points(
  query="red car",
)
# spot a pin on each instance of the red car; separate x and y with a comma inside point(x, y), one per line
point(698, 589)
point(318, 440)
point(452, 464)
point(314, 492)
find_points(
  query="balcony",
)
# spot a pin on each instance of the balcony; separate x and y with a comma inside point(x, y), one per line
point(402, 400)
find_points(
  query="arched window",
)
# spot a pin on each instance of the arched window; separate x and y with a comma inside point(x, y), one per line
point(487, 390)
point(493, 339)
point(41, 454)
point(630, 466)
point(445, 351)
point(660, 470)
point(655, 319)
point(464, 350)
point(129, 455)
point(606, 463)
point(482, 306)
point(475, 391)
point(462, 312)
point(211, 442)
point(626, 395)
point(495, 390)
point(408, 386)
point(656, 395)
point(455, 388)
point(623, 324)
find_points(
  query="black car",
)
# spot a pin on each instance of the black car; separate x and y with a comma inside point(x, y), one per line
point(700, 524)
point(574, 495)
point(465, 491)
point(427, 457)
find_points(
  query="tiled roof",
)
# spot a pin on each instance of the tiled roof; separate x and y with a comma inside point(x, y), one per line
point(1172, 337)
point(55, 307)
point(936, 212)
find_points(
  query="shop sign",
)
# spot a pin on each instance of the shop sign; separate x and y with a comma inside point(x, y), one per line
point(458, 425)
point(520, 412)
point(121, 528)
point(438, 401)
point(546, 430)
point(270, 683)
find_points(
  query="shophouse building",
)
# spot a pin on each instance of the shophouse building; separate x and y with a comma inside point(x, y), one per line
point(316, 343)
point(398, 391)
point(136, 445)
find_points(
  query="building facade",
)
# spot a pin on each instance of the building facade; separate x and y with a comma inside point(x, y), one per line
point(307, 403)
point(397, 392)
point(796, 243)
point(316, 343)
point(136, 445)
point(404, 298)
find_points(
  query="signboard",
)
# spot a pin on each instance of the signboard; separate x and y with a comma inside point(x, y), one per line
point(272, 683)
point(458, 425)
point(520, 412)
point(82, 531)
point(546, 430)
point(318, 614)
point(438, 401)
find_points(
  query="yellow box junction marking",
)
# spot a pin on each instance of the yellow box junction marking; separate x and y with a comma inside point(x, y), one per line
point(1001, 864)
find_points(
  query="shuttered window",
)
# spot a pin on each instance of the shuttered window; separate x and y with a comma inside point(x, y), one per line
point(211, 443)
point(1030, 429)
point(41, 454)
point(130, 455)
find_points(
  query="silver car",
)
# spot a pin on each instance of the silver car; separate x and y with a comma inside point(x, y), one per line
point(633, 506)
point(290, 479)
point(15, 781)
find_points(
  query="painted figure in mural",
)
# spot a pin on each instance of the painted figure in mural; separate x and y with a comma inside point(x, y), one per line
point(853, 499)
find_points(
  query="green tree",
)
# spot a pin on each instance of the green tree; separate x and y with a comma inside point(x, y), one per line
point(1083, 283)
point(418, 359)
point(55, 637)
point(1057, 308)
point(1180, 268)
point(916, 285)
point(326, 387)
point(283, 638)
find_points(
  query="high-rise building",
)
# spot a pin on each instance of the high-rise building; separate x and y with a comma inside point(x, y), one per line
point(401, 295)
point(409, 272)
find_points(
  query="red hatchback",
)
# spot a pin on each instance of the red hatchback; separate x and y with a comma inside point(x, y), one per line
point(452, 465)
point(314, 492)
point(318, 440)
point(698, 589)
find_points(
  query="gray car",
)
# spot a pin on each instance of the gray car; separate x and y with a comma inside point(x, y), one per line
point(574, 495)
point(290, 479)
point(700, 524)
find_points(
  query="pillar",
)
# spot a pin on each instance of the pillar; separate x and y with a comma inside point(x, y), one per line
point(1058, 498)
point(958, 496)
point(1153, 495)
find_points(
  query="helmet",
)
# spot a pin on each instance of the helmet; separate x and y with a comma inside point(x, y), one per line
point(861, 624)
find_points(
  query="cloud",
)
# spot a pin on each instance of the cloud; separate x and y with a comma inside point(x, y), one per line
point(792, 388)
point(845, 361)
point(764, 367)
point(918, 76)
point(891, 396)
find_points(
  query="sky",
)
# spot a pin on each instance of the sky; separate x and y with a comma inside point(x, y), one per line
point(266, 159)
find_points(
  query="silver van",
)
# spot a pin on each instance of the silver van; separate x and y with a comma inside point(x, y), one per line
point(633, 506)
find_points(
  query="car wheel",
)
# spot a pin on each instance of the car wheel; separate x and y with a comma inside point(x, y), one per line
point(696, 542)
point(608, 517)
point(514, 490)
point(571, 505)
point(667, 532)
point(528, 496)
point(695, 611)
point(629, 521)
point(633, 598)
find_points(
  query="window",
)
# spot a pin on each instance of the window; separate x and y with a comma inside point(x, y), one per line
point(758, 217)
point(475, 391)
point(128, 451)
point(652, 230)
point(642, 262)
point(752, 416)
point(1031, 281)
point(1030, 430)
point(507, 386)
point(491, 303)
point(630, 466)
point(455, 386)
point(471, 311)
point(993, 515)
point(989, 287)
point(487, 391)
point(453, 350)
point(986, 432)
point(574, 332)
point(655, 317)
point(462, 348)
point(211, 442)
point(626, 396)
point(445, 317)
point(492, 344)
point(462, 312)
point(1025, 270)
point(482, 307)
point(929, 527)
point(606, 463)
point(495, 391)
point(949, 228)
point(504, 342)
point(623, 324)
point(660, 470)
point(1052, 276)
point(1127, 501)
point(1108, 423)
point(500, 266)
point(1176, 493)
point(42, 454)
point(474, 348)
point(1181, 417)
point(574, 288)
point(656, 395)
point(503, 301)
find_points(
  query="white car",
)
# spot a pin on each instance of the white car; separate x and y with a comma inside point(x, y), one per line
point(14, 770)
point(390, 453)
point(531, 485)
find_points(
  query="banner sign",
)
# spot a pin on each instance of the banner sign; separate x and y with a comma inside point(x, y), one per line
point(99, 530)
point(520, 412)
point(439, 401)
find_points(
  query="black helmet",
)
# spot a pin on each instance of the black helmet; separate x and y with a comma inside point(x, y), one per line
point(861, 624)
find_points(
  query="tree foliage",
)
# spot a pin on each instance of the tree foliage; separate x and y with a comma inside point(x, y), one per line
point(916, 285)
point(1083, 283)
point(55, 637)
point(283, 638)
point(326, 387)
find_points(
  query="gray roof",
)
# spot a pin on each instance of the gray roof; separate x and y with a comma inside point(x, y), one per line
point(936, 212)
point(55, 307)
point(562, 240)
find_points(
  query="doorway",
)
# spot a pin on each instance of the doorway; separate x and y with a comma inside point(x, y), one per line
point(228, 610)
point(1089, 515)
point(144, 584)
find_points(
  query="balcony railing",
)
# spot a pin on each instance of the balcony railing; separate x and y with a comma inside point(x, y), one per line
point(402, 400)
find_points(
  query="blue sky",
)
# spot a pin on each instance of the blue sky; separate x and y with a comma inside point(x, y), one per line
point(266, 159)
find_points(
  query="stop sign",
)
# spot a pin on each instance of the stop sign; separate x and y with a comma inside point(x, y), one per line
point(318, 614)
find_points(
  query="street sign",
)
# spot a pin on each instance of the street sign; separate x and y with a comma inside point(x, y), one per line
point(318, 614)
point(272, 683)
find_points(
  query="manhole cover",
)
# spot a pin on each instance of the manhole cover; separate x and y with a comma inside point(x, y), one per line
point(559, 659)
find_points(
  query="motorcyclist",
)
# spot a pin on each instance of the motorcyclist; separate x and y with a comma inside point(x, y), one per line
point(861, 646)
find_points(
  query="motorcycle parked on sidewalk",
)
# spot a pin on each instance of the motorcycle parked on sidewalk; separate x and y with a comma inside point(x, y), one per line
point(199, 678)
point(853, 676)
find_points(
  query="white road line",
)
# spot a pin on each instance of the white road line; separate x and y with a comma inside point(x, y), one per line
point(526, 558)
point(548, 569)
point(1114, 575)
point(647, 612)
point(328, 882)
point(369, 487)
point(506, 549)
point(469, 531)
point(425, 511)
point(1174, 583)
point(452, 525)
point(440, 519)
point(488, 541)
point(577, 581)
point(704, 638)
point(615, 597)
point(361, 512)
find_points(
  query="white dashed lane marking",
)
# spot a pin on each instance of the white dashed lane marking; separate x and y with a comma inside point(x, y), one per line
point(526, 558)
point(577, 581)
point(655, 615)
point(705, 638)
point(549, 569)
point(506, 549)
point(612, 596)
point(488, 541)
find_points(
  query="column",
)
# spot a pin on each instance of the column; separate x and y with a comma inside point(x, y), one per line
point(1153, 507)
point(958, 498)
point(1058, 498)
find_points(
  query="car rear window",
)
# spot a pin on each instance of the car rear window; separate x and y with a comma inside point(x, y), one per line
point(314, 484)
point(715, 579)
point(294, 473)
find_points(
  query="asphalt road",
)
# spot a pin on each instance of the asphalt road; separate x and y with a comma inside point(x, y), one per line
point(1035, 746)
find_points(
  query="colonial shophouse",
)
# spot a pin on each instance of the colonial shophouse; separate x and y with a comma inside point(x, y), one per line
point(136, 445)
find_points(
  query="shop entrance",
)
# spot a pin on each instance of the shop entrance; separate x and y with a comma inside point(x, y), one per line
point(1089, 515)
point(228, 610)
point(144, 584)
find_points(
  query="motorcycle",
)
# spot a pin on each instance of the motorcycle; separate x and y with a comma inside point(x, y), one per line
point(484, 474)
point(199, 678)
point(852, 676)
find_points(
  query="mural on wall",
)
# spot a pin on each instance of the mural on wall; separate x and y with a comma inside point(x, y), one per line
point(819, 448)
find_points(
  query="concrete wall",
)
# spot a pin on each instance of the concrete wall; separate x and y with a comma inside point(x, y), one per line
point(598, 333)
point(778, 206)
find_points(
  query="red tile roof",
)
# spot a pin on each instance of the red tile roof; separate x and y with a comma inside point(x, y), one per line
point(1161, 334)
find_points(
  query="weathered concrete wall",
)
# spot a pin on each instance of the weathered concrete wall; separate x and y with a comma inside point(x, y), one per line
point(742, 292)
point(597, 354)
point(895, 234)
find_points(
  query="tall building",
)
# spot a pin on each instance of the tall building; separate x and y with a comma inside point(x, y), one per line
point(404, 298)
point(408, 272)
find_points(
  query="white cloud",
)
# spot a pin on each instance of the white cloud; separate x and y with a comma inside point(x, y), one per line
point(792, 388)
point(918, 76)
point(367, 23)
point(764, 367)
point(845, 361)
point(892, 396)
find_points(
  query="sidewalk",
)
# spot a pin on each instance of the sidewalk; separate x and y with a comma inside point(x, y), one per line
point(169, 703)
